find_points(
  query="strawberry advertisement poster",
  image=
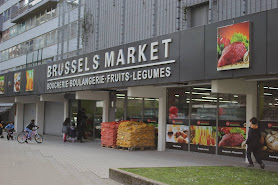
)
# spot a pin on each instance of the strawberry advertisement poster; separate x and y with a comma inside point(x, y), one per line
point(233, 46)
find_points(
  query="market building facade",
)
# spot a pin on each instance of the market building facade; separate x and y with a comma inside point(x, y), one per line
point(199, 86)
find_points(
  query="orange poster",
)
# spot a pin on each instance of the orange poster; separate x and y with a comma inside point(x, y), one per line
point(30, 80)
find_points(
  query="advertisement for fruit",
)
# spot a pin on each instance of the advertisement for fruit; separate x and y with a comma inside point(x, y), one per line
point(17, 78)
point(30, 80)
point(177, 136)
point(269, 140)
point(2, 84)
point(203, 136)
point(233, 46)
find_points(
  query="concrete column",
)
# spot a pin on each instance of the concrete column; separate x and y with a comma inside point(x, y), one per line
point(66, 109)
point(105, 112)
point(40, 116)
point(162, 111)
point(18, 120)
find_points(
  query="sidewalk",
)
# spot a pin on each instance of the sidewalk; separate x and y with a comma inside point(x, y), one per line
point(88, 163)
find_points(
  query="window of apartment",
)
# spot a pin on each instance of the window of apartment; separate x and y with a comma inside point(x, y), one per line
point(43, 18)
point(48, 14)
point(13, 31)
point(54, 11)
point(7, 15)
point(199, 15)
point(31, 45)
point(38, 16)
point(21, 27)
point(73, 30)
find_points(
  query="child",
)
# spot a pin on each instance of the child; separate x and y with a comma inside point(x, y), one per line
point(253, 143)
point(1, 130)
point(72, 132)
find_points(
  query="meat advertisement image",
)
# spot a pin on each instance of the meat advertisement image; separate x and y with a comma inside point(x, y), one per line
point(233, 46)
point(232, 137)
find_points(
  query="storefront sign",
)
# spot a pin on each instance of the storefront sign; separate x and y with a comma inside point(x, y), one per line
point(233, 46)
point(2, 84)
point(113, 66)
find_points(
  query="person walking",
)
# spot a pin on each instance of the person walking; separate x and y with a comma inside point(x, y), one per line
point(253, 143)
point(65, 129)
point(81, 128)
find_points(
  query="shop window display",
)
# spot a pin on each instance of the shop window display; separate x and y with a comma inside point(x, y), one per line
point(203, 120)
point(151, 110)
point(231, 125)
point(177, 131)
point(268, 116)
point(120, 104)
point(134, 109)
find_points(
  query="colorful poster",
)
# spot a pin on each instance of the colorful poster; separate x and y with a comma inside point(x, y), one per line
point(177, 137)
point(269, 140)
point(17, 79)
point(232, 141)
point(233, 46)
point(30, 80)
point(232, 138)
point(203, 135)
point(177, 134)
point(2, 84)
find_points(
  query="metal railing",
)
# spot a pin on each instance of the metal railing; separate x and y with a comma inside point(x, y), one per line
point(23, 9)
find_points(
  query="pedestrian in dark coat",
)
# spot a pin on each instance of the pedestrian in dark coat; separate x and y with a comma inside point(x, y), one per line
point(81, 128)
point(253, 143)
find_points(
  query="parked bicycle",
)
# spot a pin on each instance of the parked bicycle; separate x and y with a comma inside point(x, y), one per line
point(21, 138)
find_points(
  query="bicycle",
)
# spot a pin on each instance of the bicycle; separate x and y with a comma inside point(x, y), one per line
point(21, 138)
point(10, 134)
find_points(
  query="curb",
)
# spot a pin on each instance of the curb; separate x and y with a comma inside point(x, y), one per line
point(128, 178)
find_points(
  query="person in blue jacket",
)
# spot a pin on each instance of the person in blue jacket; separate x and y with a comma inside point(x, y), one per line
point(10, 127)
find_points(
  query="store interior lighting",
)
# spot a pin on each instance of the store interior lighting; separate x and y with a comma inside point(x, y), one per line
point(201, 88)
point(267, 94)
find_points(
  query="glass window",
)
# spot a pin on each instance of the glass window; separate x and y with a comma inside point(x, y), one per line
point(134, 109)
point(28, 24)
point(151, 110)
point(43, 17)
point(179, 100)
point(73, 30)
point(54, 11)
point(232, 107)
point(268, 101)
point(47, 39)
point(33, 21)
point(31, 46)
point(48, 14)
point(120, 104)
point(38, 19)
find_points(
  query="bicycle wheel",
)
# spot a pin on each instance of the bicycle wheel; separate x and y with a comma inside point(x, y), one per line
point(38, 138)
point(8, 136)
point(21, 138)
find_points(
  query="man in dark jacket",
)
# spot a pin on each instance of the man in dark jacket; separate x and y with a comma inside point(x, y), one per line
point(253, 143)
point(81, 128)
